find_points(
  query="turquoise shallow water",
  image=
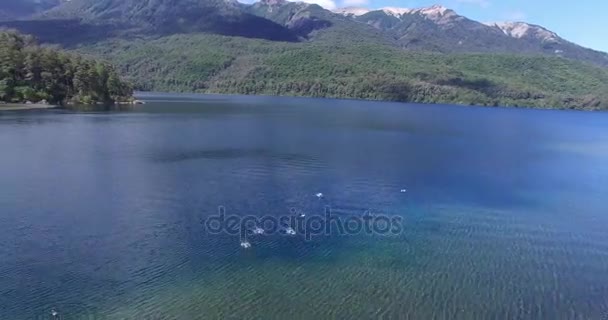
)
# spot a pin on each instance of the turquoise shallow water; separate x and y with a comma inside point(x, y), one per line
point(504, 215)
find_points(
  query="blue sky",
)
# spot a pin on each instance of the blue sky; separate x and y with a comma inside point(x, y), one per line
point(583, 22)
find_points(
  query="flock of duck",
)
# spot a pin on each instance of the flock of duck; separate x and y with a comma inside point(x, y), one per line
point(288, 231)
point(259, 231)
point(245, 244)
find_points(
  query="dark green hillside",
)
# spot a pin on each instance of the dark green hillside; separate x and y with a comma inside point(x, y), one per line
point(32, 73)
point(206, 63)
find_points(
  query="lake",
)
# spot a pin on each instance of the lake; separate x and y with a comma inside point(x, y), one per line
point(503, 211)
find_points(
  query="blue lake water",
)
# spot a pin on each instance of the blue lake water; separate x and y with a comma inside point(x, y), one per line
point(504, 217)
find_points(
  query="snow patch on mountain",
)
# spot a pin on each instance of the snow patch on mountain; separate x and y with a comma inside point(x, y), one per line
point(352, 11)
point(521, 29)
point(435, 12)
point(394, 11)
point(273, 2)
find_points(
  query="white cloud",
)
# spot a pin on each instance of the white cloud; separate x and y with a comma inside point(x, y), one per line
point(481, 3)
point(355, 3)
point(327, 4)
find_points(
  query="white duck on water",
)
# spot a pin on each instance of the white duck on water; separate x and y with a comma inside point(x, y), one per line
point(245, 244)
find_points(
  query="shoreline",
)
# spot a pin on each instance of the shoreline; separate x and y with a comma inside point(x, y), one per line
point(23, 106)
point(143, 95)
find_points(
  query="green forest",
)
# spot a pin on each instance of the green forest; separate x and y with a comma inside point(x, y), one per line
point(340, 69)
point(31, 73)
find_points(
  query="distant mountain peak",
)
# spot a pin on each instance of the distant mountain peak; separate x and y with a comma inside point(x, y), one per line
point(359, 11)
point(438, 14)
point(435, 12)
point(273, 2)
point(522, 29)
point(352, 11)
point(394, 11)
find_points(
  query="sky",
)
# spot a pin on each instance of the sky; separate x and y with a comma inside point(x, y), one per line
point(584, 22)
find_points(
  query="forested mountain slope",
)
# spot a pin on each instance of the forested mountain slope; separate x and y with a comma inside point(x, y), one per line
point(218, 64)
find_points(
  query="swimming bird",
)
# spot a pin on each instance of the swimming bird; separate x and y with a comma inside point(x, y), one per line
point(403, 190)
point(258, 230)
point(290, 231)
point(55, 314)
point(245, 244)
point(319, 195)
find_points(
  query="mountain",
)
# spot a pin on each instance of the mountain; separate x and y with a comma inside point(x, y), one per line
point(312, 22)
point(522, 30)
point(301, 18)
point(540, 40)
point(438, 28)
point(352, 11)
point(276, 47)
point(19, 9)
point(434, 28)
point(171, 16)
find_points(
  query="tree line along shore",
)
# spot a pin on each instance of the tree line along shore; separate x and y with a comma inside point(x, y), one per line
point(37, 76)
